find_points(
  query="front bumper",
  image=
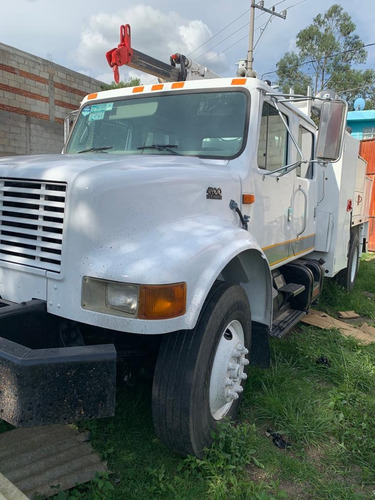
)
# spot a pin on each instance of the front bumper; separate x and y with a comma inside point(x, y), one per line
point(41, 383)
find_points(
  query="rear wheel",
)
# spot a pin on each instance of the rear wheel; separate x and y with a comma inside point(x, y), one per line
point(200, 374)
point(347, 276)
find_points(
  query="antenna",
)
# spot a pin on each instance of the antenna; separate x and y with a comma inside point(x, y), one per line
point(260, 6)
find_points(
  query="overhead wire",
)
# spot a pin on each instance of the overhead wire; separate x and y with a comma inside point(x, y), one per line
point(223, 40)
point(311, 61)
point(218, 33)
point(230, 46)
point(262, 30)
point(270, 19)
point(230, 35)
point(246, 36)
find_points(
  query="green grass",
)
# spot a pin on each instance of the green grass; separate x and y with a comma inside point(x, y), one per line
point(335, 298)
point(325, 411)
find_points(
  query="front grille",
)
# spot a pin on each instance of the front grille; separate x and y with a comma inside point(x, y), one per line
point(31, 222)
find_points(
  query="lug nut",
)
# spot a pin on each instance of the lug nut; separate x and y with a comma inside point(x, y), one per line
point(238, 388)
point(233, 395)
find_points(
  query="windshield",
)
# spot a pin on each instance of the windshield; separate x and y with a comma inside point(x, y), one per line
point(209, 124)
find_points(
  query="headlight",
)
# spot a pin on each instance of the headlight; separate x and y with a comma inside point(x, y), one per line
point(122, 297)
point(111, 297)
point(137, 301)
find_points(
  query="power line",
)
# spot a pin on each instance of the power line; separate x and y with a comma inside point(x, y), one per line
point(327, 57)
point(337, 54)
point(218, 33)
point(295, 4)
point(230, 35)
point(226, 38)
point(355, 88)
point(236, 31)
point(223, 40)
point(230, 46)
point(269, 20)
point(262, 30)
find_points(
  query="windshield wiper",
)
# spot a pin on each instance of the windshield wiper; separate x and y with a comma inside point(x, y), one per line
point(161, 147)
point(95, 150)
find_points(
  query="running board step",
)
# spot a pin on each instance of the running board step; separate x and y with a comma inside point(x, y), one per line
point(285, 322)
point(292, 289)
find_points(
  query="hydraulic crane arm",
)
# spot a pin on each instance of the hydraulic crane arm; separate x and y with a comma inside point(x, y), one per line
point(180, 68)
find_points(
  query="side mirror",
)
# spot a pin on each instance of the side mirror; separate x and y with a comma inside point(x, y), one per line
point(332, 124)
point(68, 123)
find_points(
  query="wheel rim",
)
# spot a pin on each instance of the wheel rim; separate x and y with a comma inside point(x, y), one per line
point(228, 370)
point(354, 265)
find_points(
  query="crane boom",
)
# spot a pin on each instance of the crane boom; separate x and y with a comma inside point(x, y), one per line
point(181, 68)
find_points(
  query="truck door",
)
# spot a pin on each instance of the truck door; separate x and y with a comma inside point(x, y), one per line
point(273, 209)
point(304, 198)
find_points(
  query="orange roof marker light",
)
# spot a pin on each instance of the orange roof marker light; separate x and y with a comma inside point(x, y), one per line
point(177, 85)
point(239, 81)
point(92, 96)
point(138, 89)
point(158, 86)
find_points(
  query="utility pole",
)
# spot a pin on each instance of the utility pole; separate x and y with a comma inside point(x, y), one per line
point(260, 6)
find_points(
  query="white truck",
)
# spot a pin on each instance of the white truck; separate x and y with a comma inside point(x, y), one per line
point(185, 221)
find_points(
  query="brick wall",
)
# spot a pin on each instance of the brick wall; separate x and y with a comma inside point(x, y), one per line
point(35, 97)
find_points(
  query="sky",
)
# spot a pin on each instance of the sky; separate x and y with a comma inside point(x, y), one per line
point(77, 33)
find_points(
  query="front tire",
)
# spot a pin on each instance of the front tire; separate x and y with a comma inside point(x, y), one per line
point(200, 373)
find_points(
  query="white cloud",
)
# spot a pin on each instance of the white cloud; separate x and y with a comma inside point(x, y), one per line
point(153, 32)
point(193, 35)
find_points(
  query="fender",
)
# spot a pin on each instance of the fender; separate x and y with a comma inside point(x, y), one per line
point(197, 251)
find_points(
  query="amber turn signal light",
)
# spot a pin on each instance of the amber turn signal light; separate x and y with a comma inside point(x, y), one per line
point(162, 301)
point(248, 199)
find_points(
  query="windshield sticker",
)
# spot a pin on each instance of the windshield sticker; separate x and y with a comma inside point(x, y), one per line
point(96, 116)
point(105, 106)
point(86, 110)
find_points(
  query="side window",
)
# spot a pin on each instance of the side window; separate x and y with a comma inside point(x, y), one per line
point(273, 140)
point(306, 144)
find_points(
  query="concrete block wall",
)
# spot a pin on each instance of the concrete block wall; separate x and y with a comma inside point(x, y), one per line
point(35, 97)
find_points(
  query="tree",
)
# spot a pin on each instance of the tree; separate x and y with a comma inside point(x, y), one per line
point(292, 75)
point(132, 82)
point(326, 52)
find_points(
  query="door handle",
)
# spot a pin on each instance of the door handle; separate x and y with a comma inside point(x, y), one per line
point(305, 212)
point(290, 213)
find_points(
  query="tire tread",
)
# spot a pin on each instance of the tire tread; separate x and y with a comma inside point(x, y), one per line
point(173, 381)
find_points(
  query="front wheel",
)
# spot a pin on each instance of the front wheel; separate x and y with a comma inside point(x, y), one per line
point(200, 373)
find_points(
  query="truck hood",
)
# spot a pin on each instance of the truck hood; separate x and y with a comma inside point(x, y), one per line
point(178, 186)
point(112, 199)
point(65, 168)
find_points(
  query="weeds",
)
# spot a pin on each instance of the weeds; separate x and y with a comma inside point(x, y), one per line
point(360, 299)
point(100, 488)
point(325, 410)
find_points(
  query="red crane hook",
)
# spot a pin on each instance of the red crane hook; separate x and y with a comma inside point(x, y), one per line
point(123, 54)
